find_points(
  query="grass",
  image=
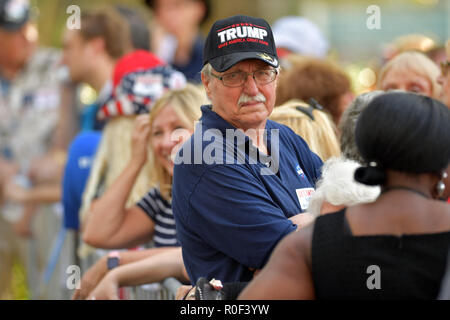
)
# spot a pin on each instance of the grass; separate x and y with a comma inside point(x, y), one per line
point(19, 286)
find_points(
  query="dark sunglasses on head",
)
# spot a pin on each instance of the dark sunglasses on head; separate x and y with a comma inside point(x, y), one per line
point(313, 104)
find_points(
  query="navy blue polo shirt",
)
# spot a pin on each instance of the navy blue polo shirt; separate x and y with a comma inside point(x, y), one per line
point(230, 211)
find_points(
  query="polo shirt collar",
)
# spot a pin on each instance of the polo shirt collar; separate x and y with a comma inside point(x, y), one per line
point(212, 120)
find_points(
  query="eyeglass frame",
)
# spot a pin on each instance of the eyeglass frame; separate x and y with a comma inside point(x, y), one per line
point(246, 76)
point(445, 65)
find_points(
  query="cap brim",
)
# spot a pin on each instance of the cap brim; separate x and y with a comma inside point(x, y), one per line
point(16, 25)
point(223, 63)
point(12, 27)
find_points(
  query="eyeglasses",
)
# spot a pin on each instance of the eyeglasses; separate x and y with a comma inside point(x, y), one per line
point(444, 67)
point(238, 78)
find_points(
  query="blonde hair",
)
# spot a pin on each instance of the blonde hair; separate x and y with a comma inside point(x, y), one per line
point(115, 149)
point(418, 63)
point(186, 104)
point(319, 134)
point(410, 42)
point(447, 49)
point(111, 159)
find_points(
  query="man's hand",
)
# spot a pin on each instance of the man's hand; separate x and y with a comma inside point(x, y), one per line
point(47, 168)
point(91, 279)
point(14, 192)
point(23, 226)
point(7, 170)
point(183, 291)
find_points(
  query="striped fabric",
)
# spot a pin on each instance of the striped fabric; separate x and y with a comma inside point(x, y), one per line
point(160, 211)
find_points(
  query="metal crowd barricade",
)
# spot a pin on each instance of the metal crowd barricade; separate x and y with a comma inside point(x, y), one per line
point(45, 255)
point(48, 255)
point(53, 250)
point(165, 290)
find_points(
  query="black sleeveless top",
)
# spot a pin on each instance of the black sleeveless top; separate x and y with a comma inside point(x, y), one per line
point(375, 267)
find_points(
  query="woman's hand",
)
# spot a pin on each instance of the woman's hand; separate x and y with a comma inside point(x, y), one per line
point(91, 279)
point(107, 289)
point(140, 139)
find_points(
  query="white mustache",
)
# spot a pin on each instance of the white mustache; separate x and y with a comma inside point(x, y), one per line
point(244, 98)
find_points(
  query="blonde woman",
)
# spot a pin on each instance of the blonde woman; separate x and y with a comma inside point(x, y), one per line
point(444, 77)
point(312, 124)
point(411, 71)
point(111, 224)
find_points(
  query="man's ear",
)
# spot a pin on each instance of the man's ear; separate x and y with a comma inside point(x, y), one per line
point(200, 11)
point(206, 83)
point(98, 44)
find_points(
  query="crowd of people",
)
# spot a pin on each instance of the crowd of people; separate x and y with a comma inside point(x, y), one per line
point(242, 164)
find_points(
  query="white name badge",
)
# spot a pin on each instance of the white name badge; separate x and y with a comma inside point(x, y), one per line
point(148, 85)
point(303, 196)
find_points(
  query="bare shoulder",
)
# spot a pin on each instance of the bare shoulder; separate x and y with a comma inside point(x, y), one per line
point(426, 216)
point(443, 209)
point(444, 206)
point(287, 274)
point(304, 235)
point(297, 245)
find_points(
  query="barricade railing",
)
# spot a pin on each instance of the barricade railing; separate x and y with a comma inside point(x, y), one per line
point(44, 272)
point(164, 290)
point(52, 250)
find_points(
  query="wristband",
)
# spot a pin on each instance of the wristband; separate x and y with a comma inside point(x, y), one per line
point(113, 260)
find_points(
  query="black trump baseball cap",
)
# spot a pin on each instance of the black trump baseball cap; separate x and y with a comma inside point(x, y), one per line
point(238, 38)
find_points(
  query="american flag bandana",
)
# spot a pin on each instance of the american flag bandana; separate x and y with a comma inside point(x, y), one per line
point(138, 91)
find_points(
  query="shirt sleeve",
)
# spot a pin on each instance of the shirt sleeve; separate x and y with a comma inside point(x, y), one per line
point(148, 204)
point(316, 167)
point(311, 162)
point(231, 210)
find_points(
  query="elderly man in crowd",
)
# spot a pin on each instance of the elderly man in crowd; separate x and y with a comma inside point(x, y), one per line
point(241, 180)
